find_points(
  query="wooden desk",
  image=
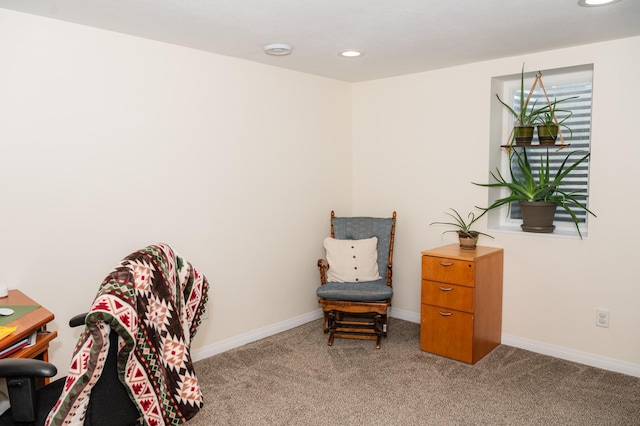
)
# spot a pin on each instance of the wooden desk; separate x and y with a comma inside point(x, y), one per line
point(35, 320)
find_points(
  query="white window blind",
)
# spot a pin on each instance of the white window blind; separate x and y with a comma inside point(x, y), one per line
point(579, 139)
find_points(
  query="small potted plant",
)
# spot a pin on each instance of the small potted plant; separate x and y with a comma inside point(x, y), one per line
point(548, 123)
point(525, 117)
point(538, 193)
point(467, 237)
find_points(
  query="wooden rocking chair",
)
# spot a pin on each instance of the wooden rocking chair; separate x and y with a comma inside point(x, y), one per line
point(356, 285)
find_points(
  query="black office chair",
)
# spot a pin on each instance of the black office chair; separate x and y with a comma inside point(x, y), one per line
point(147, 311)
point(110, 404)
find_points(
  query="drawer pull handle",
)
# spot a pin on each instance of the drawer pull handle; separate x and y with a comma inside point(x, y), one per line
point(446, 263)
point(445, 314)
point(445, 288)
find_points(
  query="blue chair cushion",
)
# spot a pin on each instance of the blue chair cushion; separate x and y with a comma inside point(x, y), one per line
point(368, 291)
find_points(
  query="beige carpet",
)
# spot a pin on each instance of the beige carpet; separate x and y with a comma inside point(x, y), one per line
point(294, 378)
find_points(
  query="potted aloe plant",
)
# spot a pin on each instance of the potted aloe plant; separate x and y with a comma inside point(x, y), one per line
point(525, 117)
point(548, 123)
point(539, 192)
point(468, 238)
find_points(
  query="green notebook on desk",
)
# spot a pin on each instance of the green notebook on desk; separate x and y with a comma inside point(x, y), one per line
point(18, 311)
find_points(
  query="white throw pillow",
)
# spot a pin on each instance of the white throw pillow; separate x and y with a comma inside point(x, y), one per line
point(352, 260)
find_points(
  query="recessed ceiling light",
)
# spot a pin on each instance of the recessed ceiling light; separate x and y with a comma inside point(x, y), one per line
point(351, 53)
point(278, 49)
point(595, 3)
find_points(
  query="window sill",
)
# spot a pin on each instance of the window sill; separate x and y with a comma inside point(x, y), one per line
point(557, 233)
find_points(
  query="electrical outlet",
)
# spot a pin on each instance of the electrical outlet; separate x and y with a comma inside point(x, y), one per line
point(602, 317)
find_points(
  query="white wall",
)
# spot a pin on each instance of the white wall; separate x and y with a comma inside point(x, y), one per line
point(110, 143)
point(419, 141)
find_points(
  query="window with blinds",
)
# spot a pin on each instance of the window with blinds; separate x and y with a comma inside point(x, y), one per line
point(578, 112)
point(559, 84)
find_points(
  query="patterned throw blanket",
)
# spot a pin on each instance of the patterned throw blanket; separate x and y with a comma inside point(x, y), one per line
point(154, 300)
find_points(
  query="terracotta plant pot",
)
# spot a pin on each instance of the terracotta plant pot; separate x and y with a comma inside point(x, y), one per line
point(537, 216)
point(466, 242)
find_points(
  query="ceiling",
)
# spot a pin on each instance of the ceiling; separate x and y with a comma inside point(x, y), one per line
point(397, 37)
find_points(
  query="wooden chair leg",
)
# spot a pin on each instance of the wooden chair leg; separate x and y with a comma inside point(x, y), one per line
point(330, 326)
point(385, 325)
point(378, 324)
point(370, 326)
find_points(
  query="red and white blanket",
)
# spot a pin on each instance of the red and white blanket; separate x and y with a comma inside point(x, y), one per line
point(154, 300)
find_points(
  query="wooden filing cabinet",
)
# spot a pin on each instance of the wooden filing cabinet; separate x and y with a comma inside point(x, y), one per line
point(461, 309)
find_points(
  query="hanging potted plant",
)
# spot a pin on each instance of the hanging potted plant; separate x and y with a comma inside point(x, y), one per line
point(468, 238)
point(525, 116)
point(538, 193)
point(548, 123)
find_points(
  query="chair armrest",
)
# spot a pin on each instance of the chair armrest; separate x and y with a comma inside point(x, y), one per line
point(323, 265)
point(22, 375)
point(26, 367)
point(78, 320)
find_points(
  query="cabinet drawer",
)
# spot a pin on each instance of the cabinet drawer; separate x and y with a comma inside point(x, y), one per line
point(449, 296)
point(447, 332)
point(448, 270)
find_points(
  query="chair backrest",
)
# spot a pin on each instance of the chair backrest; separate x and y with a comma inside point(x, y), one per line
point(110, 403)
point(358, 228)
point(149, 283)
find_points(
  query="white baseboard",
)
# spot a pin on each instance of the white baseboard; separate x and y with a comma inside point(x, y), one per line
point(405, 315)
point(254, 335)
point(261, 333)
point(568, 354)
